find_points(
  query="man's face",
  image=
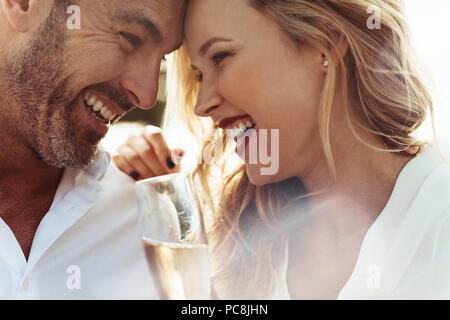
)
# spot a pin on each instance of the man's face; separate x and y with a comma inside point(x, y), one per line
point(69, 84)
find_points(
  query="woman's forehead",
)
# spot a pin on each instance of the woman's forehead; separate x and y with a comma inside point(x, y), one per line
point(219, 18)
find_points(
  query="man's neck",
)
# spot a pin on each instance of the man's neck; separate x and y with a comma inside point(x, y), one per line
point(27, 184)
point(27, 188)
point(28, 181)
point(24, 177)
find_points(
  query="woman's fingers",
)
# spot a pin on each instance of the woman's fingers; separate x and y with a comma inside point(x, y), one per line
point(155, 138)
point(177, 155)
point(130, 162)
point(147, 155)
point(126, 167)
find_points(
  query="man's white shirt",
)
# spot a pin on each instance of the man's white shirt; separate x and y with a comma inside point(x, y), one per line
point(86, 247)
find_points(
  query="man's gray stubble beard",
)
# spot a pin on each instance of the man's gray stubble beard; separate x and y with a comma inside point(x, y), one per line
point(35, 80)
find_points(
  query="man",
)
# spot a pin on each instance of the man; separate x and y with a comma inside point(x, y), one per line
point(68, 226)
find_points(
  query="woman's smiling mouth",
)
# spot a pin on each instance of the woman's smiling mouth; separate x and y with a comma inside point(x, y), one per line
point(236, 127)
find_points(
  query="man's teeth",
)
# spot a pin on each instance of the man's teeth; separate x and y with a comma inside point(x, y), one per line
point(97, 105)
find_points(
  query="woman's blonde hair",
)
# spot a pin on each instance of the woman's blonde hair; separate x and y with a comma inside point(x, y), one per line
point(379, 74)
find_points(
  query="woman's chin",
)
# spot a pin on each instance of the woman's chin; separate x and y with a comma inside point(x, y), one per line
point(257, 178)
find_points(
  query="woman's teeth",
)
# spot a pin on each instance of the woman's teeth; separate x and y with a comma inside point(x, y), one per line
point(97, 109)
point(239, 127)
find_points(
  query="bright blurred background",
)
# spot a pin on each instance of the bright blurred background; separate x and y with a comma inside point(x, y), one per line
point(429, 23)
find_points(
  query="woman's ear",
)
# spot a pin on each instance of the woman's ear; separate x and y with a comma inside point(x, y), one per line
point(341, 47)
point(24, 15)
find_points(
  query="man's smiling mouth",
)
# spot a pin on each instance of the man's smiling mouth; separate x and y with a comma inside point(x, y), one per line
point(99, 109)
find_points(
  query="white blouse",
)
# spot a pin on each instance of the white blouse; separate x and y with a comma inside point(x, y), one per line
point(406, 252)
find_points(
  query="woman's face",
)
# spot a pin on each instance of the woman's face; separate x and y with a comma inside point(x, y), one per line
point(251, 71)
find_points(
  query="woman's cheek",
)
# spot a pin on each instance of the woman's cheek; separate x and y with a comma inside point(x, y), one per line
point(240, 85)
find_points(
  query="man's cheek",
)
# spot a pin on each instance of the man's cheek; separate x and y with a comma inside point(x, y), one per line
point(91, 67)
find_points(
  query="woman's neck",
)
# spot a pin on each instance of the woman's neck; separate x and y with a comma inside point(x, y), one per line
point(365, 179)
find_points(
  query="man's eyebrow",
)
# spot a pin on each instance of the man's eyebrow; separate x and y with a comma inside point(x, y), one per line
point(138, 19)
point(177, 46)
point(205, 47)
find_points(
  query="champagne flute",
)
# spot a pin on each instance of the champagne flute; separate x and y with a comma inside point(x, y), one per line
point(173, 237)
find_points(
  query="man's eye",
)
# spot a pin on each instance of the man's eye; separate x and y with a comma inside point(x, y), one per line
point(218, 57)
point(135, 41)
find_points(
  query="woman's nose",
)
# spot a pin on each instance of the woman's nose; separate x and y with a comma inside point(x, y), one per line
point(208, 99)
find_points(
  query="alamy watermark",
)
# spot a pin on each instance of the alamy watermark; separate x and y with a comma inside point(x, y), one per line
point(73, 281)
point(256, 142)
point(74, 20)
point(374, 277)
point(374, 21)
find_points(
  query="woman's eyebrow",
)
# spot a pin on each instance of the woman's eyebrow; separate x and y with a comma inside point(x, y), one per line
point(205, 47)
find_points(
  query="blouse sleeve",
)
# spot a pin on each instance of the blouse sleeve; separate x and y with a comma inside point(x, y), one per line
point(432, 279)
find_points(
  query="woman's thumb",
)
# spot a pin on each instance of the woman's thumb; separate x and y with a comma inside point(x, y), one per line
point(177, 155)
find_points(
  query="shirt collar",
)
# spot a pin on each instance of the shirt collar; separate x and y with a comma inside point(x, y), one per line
point(77, 192)
point(98, 166)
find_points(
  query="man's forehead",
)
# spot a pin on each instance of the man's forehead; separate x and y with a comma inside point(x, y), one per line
point(161, 19)
point(166, 11)
point(166, 15)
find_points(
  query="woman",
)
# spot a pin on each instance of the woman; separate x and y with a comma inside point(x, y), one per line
point(358, 207)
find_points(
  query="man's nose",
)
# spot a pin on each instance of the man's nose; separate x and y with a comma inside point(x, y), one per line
point(142, 83)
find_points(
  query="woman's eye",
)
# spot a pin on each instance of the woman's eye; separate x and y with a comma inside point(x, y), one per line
point(219, 57)
point(134, 40)
point(199, 77)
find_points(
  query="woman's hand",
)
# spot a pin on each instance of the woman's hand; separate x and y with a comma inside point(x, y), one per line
point(147, 155)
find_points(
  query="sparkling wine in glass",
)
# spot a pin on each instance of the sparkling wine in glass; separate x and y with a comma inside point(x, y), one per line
point(173, 237)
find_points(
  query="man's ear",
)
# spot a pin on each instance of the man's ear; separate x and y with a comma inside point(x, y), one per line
point(25, 15)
